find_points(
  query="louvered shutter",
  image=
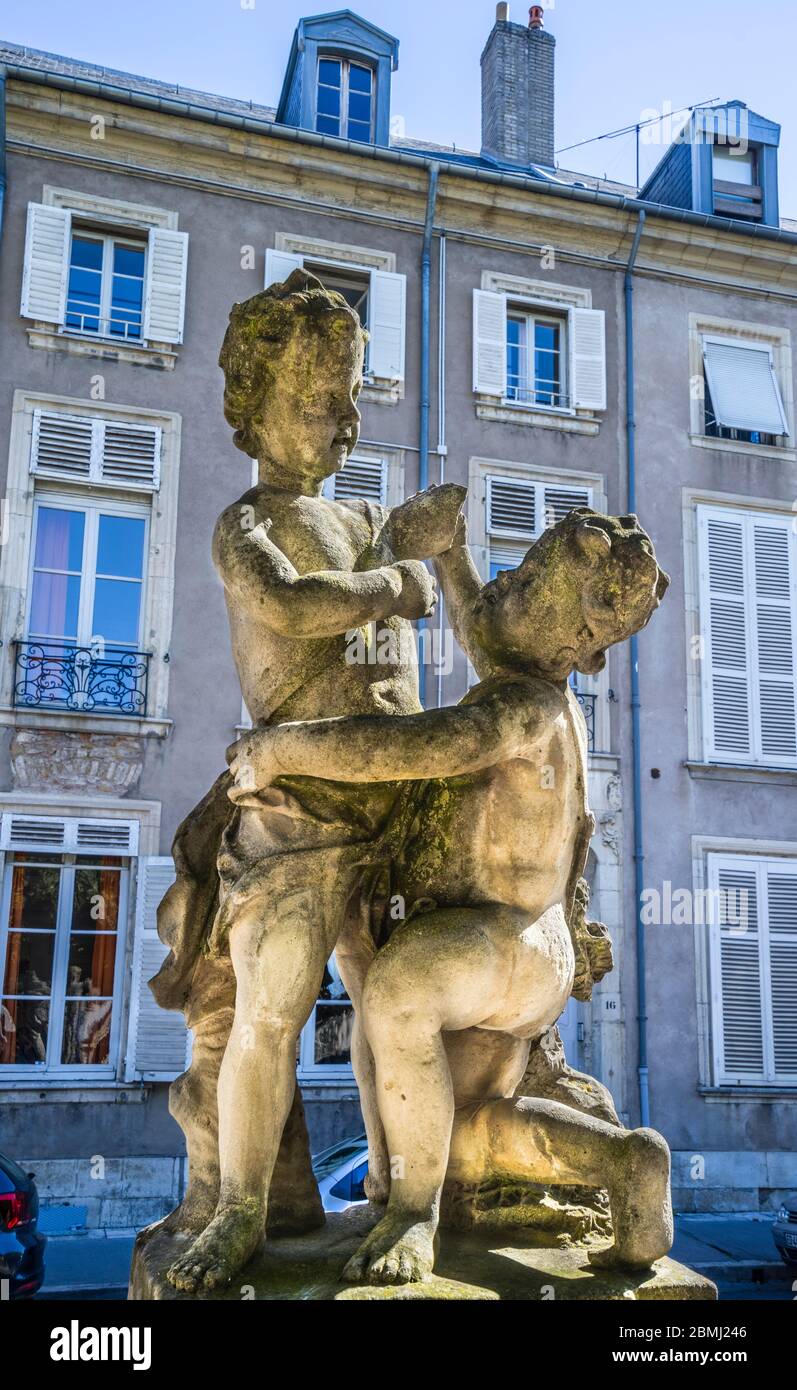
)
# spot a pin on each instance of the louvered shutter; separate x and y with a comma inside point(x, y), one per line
point(512, 507)
point(68, 834)
point(524, 508)
point(96, 449)
point(157, 1039)
point(782, 924)
point(737, 985)
point(744, 389)
point(164, 289)
point(588, 359)
point(747, 589)
point(46, 266)
point(560, 501)
point(279, 265)
point(360, 477)
point(387, 315)
point(489, 343)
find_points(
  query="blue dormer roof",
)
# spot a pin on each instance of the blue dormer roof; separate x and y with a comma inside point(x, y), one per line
point(341, 35)
point(724, 162)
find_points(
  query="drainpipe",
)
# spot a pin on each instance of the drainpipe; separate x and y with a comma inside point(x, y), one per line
point(636, 751)
point(2, 145)
point(426, 388)
point(442, 446)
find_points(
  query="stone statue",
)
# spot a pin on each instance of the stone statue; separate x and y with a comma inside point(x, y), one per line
point(489, 861)
point(347, 799)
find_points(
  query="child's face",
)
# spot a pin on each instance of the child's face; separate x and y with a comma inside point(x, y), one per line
point(310, 422)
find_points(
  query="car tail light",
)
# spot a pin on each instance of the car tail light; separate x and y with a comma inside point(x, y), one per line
point(14, 1210)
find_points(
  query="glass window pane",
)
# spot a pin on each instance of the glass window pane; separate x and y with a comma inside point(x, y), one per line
point(359, 78)
point(332, 986)
point(358, 131)
point(87, 1032)
point(117, 604)
point(328, 125)
point(333, 1029)
point(55, 599)
point(29, 963)
point(329, 72)
point(95, 905)
point(128, 260)
point(120, 547)
point(328, 101)
point(92, 958)
point(359, 107)
point(59, 539)
point(34, 897)
point(86, 252)
point(23, 1031)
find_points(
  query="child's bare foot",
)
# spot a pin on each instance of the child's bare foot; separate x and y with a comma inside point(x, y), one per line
point(639, 1195)
point(400, 1250)
point(222, 1249)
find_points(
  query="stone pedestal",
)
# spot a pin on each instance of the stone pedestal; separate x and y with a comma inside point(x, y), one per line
point(483, 1265)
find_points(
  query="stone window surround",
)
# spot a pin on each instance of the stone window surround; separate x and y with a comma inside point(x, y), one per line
point(541, 294)
point(159, 578)
point(111, 213)
point(702, 846)
point(696, 761)
point(148, 815)
point(341, 254)
point(779, 339)
point(478, 471)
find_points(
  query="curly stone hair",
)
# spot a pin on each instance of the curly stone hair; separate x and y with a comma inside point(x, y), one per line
point(258, 335)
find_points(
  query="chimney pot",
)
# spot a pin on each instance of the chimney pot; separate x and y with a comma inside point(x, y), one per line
point(536, 14)
point(502, 13)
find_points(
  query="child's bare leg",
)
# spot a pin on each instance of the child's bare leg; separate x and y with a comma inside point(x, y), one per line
point(446, 970)
point(546, 1142)
point(279, 949)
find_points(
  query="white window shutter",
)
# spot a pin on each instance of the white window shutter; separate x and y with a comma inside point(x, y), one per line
point(774, 619)
point(96, 449)
point(744, 388)
point(46, 266)
point(360, 477)
point(164, 289)
point(279, 265)
point(387, 316)
point(737, 986)
point(63, 446)
point(489, 343)
point(588, 359)
point(131, 455)
point(560, 501)
point(157, 1039)
point(512, 507)
point(782, 924)
point(727, 697)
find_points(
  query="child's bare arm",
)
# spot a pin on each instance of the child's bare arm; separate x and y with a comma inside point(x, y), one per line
point(461, 584)
point(323, 604)
point(386, 748)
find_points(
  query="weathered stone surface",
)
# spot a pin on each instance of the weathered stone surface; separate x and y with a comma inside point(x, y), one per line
point(58, 760)
point(472, 1266)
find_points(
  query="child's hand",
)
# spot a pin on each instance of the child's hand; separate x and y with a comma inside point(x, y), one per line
point(418, 596)
point(253, 763)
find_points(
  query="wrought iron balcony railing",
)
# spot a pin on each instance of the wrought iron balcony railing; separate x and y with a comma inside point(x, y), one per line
point(587, 703)
point(87, 679)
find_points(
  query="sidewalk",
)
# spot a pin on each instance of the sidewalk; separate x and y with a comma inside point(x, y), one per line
point(728, 1249)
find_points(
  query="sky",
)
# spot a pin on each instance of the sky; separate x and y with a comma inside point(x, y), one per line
point(618, 62)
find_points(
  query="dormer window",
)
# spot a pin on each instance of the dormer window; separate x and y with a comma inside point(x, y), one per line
point(737, 191)
point(345, 101)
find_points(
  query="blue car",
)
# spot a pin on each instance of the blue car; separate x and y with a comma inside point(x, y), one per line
point(21, 1245)
point(340, 1172)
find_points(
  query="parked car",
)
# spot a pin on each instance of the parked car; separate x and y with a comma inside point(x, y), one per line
point(21, 1244)
point(341, 1171)
point(784, 1231)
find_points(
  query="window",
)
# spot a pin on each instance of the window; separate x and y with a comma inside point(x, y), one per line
point(742, 395)
point(105, 291)
point(535, 359)
point(83, 631)
point(361, 477)
point(736, 188)
point(748, 582)
point(353, 285)
point(752, 924)
point(64, 908)
point(345, 100)
point(325, 1042)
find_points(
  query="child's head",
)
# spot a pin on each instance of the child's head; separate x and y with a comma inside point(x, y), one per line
point(587, 583)
point(292, 359)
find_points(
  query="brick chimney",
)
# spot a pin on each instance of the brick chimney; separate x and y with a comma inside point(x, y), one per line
point(518, 91)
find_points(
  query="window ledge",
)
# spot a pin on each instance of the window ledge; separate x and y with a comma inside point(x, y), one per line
point(782, 452)
point(742, 772)
point(72, 721)
point(30, 1092)
point(382, 391)
point(491, 408)
point(160, 357)
point(771, 1095)
point(600, 761)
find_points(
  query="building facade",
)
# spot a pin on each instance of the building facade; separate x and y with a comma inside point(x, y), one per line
point(544, 338)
